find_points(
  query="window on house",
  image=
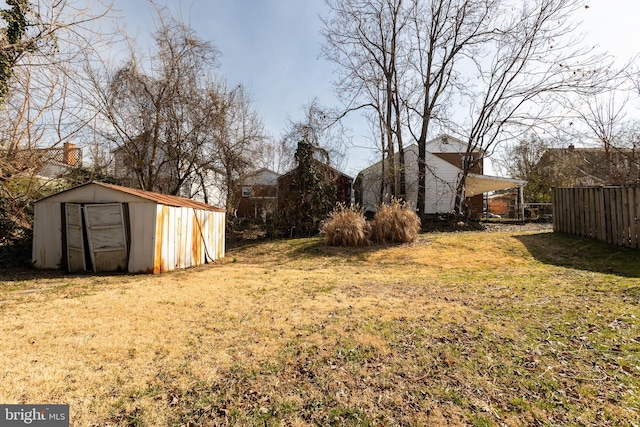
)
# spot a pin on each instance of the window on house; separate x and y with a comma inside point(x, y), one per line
point(246, 191)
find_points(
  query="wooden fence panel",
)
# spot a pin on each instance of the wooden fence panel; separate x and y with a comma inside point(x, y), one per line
point(610, 214)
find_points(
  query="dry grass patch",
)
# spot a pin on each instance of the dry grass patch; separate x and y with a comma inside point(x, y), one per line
point(395, 222)
point(345, 226)
point(466, 329)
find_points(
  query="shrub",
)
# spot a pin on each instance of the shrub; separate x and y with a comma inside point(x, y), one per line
point(394, 223)
point(345, 226)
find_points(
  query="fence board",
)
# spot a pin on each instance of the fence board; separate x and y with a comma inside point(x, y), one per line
point(609, 214)
point(602, 219)
point(635, 209)
point(592, 203)
point(626, 220)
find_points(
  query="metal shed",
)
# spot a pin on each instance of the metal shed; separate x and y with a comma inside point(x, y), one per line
point(103, 227)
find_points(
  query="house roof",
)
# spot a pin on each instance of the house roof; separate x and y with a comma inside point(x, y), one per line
point(444, 144)
point(263, 176)
point(323, 165)
point(163, 199)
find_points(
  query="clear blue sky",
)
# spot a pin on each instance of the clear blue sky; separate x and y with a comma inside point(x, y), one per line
point(272, 47)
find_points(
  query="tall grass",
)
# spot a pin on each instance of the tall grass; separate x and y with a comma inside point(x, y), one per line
point(345, 226)
point(394, 223)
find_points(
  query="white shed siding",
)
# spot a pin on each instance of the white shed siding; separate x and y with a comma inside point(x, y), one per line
point(203, 230)
point(218, 236)
point(142, 223)
point(184, 246)
point(210, 227)
point(163, 237)
point(187, 237)
point(170, 238)
point(47, 236)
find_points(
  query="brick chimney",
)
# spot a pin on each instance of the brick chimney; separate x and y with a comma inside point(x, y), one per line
point(70, 154)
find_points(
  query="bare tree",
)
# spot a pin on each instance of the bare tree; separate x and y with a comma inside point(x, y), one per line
point(400, 58)
point(320, 128)
point(238, 137)
point(156, 112)
point(366, 38)
point(445, 33)
point(535, 60)
point(604, 118)
point(40, 43)
point(522, 160)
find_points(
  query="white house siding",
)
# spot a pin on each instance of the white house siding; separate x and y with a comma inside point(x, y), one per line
point(441, 181)
point(214, 184)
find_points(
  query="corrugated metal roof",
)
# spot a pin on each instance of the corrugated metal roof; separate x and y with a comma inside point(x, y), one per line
point(163, 199)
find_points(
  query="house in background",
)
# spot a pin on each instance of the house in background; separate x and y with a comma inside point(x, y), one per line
point(206, 186)
point(57, 161)
point(256, 194)
point(342, 182)
point(49, 162)
point(303, 207)
point(444, 160)
point(589, 166)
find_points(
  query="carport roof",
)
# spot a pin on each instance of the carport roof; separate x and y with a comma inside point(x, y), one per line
point(480, 184)
point(163, 199)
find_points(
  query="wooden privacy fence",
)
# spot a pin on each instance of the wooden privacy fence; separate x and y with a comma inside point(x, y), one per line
point(610, 214)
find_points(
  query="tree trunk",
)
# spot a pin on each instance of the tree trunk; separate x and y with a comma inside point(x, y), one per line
point(422, 182)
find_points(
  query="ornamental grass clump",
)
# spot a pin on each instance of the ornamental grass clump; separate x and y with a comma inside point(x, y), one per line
point(394, 223)
point(345, 226)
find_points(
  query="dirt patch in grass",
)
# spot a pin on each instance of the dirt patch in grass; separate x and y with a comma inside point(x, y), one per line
point(468, 328)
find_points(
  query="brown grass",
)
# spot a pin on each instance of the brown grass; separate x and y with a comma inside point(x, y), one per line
point(485, 329)
point(394, 223)
point(345, 226)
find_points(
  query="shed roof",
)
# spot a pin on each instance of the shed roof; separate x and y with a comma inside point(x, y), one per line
point(163, 199)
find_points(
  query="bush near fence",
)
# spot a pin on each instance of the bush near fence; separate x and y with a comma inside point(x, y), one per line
point(608, 213)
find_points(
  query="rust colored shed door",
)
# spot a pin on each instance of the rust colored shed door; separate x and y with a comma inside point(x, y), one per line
point(107, 236)
point(75, 242)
